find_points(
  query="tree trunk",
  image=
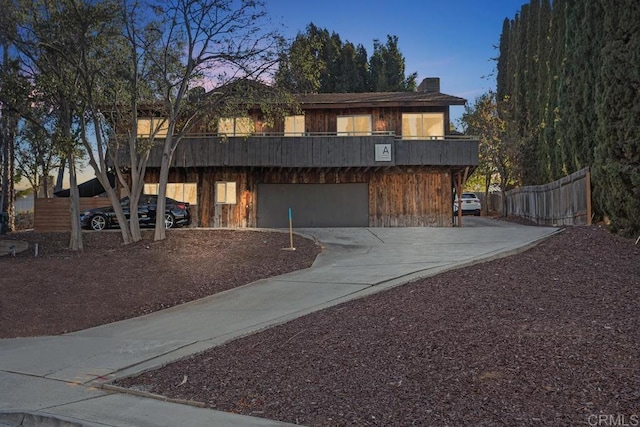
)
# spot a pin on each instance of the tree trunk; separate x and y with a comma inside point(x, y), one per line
point(9, 129)
point(160, 232)
point(137, 186)
point(115, 203)
point(4, 144)
point(11, 202)
point(75, 241)
point(59, 178)
point(487, 185)
point(504, 201)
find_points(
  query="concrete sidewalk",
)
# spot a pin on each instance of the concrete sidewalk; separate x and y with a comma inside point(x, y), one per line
point(62, 376)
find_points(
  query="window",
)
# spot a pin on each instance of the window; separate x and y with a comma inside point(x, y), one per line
point(225, 193)
point(294, 126)
point(235, 126)
point(354, 125)
point(180, 191)
point(147, 127)
point(422, 125)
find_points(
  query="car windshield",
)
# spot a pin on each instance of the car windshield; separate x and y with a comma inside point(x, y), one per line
point(124, 202)
point(468, 196)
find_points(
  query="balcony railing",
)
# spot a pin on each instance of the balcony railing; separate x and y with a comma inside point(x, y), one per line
point(321, 150)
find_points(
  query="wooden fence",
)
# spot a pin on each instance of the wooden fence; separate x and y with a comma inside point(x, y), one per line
point(566, 201)
point(53, 214)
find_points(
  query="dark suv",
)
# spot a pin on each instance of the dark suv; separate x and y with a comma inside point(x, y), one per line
point(175, 213)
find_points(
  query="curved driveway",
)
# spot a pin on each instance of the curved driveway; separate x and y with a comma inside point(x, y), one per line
point(62, 376)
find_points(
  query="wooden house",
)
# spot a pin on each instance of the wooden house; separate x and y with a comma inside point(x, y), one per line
point(348, 160)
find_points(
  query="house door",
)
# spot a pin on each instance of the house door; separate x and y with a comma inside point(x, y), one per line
point(313, 205)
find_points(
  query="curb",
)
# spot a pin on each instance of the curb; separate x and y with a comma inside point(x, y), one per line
point(40, 419)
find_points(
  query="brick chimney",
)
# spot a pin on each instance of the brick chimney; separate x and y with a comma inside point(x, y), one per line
point(430, 84)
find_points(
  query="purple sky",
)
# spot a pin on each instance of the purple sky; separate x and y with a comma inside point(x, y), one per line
point(450, 39)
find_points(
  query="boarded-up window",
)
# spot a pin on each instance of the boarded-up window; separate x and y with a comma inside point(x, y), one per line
point(235, 126)
point(147, 127)
point(422, 125)
point(294, 126)
point(225, 193)
point(182, 191)
point(354, 125)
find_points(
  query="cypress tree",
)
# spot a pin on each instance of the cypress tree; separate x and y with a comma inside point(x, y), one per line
point(616, 169)
point(572, 85)
point(556, 57)
point(593, 30)
point(542, 83)
point(502, 66)
point(532, 166)
point(570, 69)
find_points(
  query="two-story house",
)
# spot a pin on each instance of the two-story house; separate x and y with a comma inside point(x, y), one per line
point(348, 160)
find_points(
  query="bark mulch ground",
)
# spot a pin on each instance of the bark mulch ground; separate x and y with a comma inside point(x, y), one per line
point(61, 291)
point(547, 337)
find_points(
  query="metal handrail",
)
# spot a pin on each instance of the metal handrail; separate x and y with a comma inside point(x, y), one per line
point(331, 134)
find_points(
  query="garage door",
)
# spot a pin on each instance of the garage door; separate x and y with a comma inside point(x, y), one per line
point(313, 205)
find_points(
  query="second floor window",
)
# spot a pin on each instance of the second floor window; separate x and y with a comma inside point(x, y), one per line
point(235, 126)
point(422, 125)
point(354, 125)
point(154, 126)
point(294, 126)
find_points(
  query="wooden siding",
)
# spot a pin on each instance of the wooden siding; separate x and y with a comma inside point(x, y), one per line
point(54, 215)
point(436, 152)
point(398, 197)
point(317, 152)
point(384, 119)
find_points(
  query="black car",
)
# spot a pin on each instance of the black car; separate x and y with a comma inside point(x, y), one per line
point(175, 214)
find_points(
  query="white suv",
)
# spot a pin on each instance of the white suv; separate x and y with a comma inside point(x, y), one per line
point(470, 204)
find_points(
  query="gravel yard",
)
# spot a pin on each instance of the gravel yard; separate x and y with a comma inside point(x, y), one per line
point(61, 291)
point(547, 337)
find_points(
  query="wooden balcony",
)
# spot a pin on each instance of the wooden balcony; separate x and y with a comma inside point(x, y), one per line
point(320, 151)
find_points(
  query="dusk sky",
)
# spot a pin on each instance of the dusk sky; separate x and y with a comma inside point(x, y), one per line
point(454, 40)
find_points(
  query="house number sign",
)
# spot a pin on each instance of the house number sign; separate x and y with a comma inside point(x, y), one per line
point(383, 153)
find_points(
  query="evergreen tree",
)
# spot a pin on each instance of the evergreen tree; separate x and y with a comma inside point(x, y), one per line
point(556, 56)
point(616, 169)
point(303, 65)
point(568, 83)
point(542, 83)
point(502, 78)
point(592, 40)
point(388, 68)
point(348, 76)
point(320, 62)
point(362, 66)
point(331, 56)
point(579, 80)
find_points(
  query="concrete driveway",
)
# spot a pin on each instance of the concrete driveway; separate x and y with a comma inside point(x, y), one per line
point(483, 221)
point(62, 376)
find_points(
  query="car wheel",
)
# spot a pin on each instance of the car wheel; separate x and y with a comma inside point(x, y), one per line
point(477, 213)
point(98, 222)
point(169, 220)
